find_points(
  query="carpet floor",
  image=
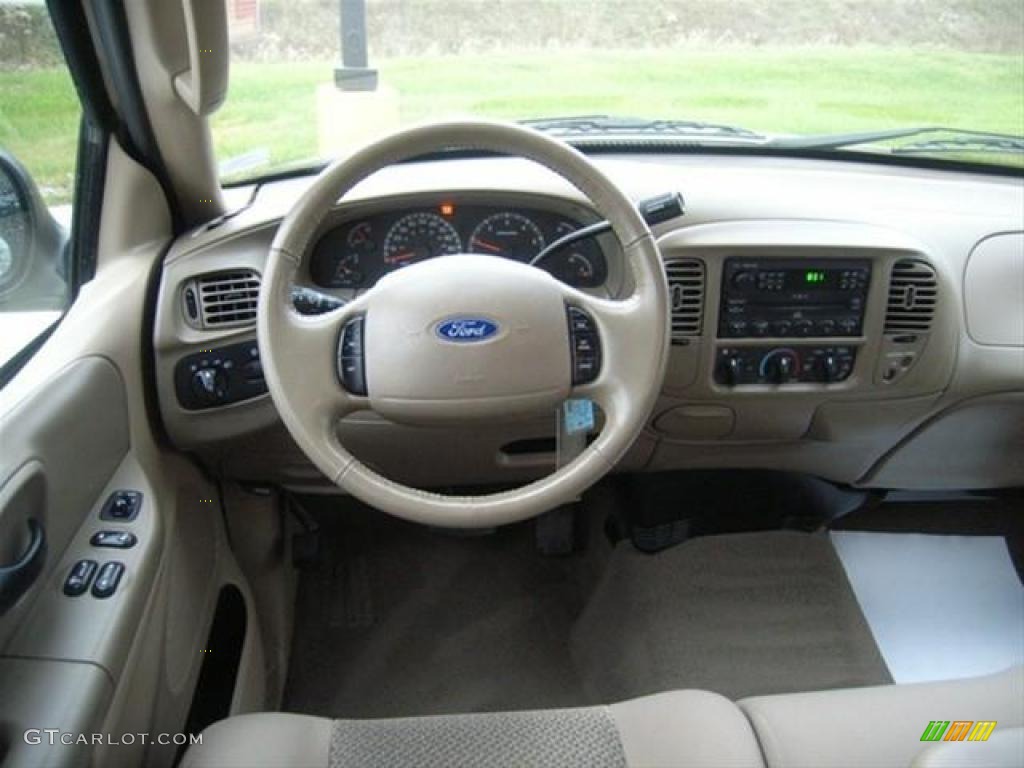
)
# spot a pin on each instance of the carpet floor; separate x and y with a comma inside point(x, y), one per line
point(400, 620)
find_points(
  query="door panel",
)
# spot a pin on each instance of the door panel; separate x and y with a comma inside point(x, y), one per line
point(60, 447)
point(74, 428)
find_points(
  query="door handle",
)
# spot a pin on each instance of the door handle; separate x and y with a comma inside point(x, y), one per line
point(15, 579)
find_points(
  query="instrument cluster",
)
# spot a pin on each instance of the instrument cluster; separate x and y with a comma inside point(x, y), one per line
point(356, 254)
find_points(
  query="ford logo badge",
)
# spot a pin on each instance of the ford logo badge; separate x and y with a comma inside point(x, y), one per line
point(464, 330)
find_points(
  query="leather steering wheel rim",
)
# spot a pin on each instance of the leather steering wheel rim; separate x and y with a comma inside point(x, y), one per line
point(299, 353)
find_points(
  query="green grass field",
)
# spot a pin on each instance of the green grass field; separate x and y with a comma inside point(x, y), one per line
point(794, 90)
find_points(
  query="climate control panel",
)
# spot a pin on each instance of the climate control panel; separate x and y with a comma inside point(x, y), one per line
point(781, 365)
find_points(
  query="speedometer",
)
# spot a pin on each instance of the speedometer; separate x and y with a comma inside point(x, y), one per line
point(419, 236)
point(507, 234)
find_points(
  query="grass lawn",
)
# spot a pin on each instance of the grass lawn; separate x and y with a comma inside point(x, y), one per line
point(792, 90)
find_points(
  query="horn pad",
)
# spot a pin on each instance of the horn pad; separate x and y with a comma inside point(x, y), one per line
point(466, 337)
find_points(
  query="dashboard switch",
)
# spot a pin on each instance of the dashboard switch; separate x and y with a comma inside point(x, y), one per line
point(108, 579)
point(209, 385)
point(122, 506)
point(114, 539)
point(79, 578)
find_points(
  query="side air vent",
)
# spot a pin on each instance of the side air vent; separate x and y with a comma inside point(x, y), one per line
point(225, 299)
point(686, 297)
point(913, 293)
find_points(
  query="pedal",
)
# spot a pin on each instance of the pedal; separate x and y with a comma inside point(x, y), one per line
point(556, 531)
point(305, 549)
point(658, 537)
point(305, 543)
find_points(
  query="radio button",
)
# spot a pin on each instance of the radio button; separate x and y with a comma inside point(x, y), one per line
point(782, 327)
point(737, 327)
point(760, 327)
point(826, 327)
point(804, 328)
point(849, 325)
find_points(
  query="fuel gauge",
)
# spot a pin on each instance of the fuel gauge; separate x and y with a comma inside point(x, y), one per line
point(581, 264)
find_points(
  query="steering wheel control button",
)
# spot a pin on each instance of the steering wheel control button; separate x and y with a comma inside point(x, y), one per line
point(122, 506)
point(351, 359)
point(80, 577)
point(108, 579)
point(586, 347)
point(114, 539)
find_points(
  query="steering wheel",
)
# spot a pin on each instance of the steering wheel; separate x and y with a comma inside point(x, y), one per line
point(464, 339)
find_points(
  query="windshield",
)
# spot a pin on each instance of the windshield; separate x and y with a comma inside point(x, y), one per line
point(732, 72)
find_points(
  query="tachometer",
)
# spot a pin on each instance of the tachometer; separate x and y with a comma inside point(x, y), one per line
point(419, 236)
point(507, 234)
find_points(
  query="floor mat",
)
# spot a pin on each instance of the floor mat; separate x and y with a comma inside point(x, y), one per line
point(743, 614)
point(940, 607)
point(399, 620)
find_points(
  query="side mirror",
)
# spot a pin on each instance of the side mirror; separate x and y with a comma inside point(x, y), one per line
point(33, 275)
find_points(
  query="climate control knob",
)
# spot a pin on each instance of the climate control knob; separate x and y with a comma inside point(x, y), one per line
point(779, 366)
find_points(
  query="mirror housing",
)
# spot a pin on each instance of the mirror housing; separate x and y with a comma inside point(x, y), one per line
point(33, 271)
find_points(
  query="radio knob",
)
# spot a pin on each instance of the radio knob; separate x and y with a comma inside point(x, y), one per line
point(779, 366)
point(743, 279)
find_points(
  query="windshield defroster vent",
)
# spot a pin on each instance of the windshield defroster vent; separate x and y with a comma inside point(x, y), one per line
point(222, 299)
point(686, 297)
point(913, 293)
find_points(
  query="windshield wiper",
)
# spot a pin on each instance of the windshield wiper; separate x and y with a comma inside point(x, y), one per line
point(958, 141)
point(605, 125)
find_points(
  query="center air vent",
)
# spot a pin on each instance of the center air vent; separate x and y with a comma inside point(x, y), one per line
point(913, 293)
point(222, 299)
point(686, 296)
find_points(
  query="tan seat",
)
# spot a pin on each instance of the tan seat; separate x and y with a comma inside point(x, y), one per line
point(681, 728)
point(863, 727)
point(883, 725)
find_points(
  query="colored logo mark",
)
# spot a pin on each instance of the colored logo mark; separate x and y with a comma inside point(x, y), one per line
point(958, 730)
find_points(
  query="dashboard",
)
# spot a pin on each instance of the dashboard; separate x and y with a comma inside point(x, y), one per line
point(357, 253)
point(857, 322)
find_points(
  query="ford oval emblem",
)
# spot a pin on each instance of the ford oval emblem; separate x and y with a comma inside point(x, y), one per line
point(464, 330)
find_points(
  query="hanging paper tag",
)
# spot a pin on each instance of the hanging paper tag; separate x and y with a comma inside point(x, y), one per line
point(578, 416)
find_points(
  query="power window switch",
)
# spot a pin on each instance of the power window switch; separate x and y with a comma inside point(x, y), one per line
point(114, 539)
point(108, 579)
point(79, 578)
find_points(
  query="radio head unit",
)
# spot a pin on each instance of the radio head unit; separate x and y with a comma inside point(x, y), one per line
point(785, 298)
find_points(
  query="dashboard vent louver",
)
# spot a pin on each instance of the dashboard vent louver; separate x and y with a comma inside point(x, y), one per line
point(686, 296)
point(228, 298)
point(913, 293)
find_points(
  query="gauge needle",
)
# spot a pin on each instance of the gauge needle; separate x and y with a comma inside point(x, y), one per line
point(487, 245)
point(404, 256)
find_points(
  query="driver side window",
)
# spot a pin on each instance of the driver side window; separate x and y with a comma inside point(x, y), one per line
point(39, 123)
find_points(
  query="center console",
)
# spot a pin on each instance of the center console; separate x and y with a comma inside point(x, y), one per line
point(787, 300)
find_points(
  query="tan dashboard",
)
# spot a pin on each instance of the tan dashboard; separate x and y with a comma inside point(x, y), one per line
point(856, 322)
